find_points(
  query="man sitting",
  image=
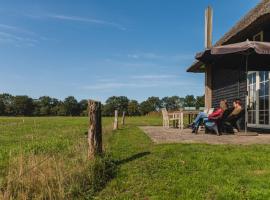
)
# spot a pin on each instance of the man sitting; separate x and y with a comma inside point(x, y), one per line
point(230, 123)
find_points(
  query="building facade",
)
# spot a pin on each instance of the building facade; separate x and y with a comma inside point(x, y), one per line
point(221, 83)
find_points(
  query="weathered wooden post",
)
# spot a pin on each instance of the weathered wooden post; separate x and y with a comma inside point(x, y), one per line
point(95, 129)
point(115, 124)
point(123, 118)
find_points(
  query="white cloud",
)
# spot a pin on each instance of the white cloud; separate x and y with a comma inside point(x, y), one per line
point(155, 56)
point(6, 37)
point(87, 20)
point(19, 36)
point(140, 81)
point(154, 76)
point(118, 85)
point(16, 29)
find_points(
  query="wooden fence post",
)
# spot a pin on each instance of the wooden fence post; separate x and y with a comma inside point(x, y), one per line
point(115, 124)
point(123, 118)
point(95, 129)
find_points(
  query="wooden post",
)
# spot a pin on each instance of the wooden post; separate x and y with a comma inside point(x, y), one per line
point(115, 124)
point(123, 118)
point(208, 27)
point(95, 129)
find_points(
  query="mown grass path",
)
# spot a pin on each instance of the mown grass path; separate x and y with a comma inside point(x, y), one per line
point(185, 171)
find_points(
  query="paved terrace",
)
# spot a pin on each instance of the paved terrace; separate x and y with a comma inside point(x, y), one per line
point(162, 135)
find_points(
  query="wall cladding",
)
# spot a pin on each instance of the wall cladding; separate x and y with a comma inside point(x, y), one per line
point(227, 84)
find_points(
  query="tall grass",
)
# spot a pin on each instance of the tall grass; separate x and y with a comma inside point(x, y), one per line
point(49, 160)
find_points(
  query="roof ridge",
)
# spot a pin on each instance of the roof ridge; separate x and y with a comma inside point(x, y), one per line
point(259, 10)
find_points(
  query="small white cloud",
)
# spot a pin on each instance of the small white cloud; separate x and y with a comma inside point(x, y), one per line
point(154, 76)
point(16, 29)
point(115, 85)
point(87, 20)
point(6, 37)
point(155, 56)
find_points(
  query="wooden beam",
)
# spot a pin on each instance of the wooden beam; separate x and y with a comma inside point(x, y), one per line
point(208, 27)
point(208, 86)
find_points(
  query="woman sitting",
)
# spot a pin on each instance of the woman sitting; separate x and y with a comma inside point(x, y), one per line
point(202, 117)
point(211, 122)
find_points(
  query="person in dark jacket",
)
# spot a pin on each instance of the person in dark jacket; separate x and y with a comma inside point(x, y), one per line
point(233, 117)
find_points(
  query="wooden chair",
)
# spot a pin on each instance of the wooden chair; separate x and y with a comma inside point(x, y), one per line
point(202, 126)
point(167, 117)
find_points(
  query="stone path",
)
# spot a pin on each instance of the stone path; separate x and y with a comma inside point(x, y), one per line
point(161, 135)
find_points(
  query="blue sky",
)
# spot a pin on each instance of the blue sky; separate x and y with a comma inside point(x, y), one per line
point(96, 49)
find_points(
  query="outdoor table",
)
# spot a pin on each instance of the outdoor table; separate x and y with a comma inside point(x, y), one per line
point(180, 114)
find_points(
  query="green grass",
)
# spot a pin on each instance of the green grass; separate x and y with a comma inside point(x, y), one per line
point(144, 170)
point(186, 171)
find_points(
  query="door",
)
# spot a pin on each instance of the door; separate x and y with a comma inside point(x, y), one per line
point(258, 99)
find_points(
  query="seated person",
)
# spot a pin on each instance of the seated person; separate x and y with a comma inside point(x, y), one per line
point(231, 121)
point(204, 117)
point(212, 122)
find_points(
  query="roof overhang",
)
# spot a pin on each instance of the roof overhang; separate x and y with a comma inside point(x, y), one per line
point(259, 15)
point(197, 67)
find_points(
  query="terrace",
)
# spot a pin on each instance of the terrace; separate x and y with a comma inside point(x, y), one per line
point(162, 135)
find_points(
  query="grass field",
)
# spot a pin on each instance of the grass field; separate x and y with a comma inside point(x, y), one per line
point(134, 167)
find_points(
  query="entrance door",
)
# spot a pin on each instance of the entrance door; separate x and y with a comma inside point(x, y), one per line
point(264, 98)
point(258, 99)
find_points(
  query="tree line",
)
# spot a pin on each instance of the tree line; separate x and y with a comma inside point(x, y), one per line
point(47, 106)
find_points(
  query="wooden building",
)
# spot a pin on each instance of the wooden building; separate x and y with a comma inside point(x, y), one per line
point(231, 83)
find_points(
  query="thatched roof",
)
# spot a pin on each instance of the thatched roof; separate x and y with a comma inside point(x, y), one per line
point(262, 9)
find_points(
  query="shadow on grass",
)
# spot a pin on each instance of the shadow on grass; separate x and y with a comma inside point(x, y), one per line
point(133, 157)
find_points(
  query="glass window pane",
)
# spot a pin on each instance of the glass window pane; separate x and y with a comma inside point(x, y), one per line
point(261, 103)
point(261, 117)
point(254, 77)
point(266, 87)
point(266, 103)
point(254, 117)
point(266, 117)
point(250, 79)
point(261, 75)
point(267, 75)
point(261, 91)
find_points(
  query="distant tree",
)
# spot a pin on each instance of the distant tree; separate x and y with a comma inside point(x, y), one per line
point(2, 108)
point(172, 103)
point(83, 105)
point(8, 101)
point(60, 109)
point(199, 101)
point(152, 104)
point(189, 101)
point(71, 106)
point(45, 105)
point(23, 105)
point(115, 103)
point(133, 108)
point(55, 103)
point(155, 102)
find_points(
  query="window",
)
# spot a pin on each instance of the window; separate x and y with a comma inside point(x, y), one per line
point(258, 98)
point(264, 97)
point(258, 37)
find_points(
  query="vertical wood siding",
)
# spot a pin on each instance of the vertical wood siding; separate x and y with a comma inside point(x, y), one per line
point(227, 84)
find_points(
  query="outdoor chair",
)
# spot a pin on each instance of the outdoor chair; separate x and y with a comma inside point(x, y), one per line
point(202, 125)
point(236, 122)
point(168, 117)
